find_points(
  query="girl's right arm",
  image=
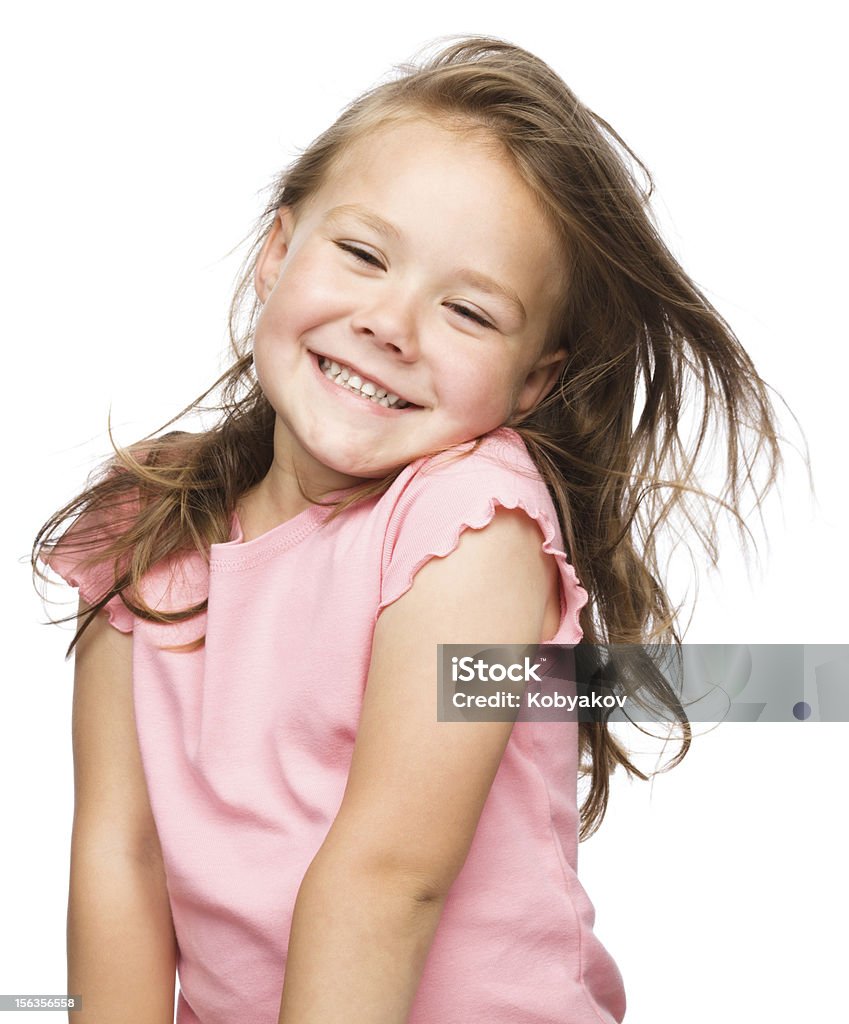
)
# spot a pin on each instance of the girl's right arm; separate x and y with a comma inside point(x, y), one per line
point(121, 944)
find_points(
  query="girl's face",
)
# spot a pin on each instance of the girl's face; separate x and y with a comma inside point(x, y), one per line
point(425, 269)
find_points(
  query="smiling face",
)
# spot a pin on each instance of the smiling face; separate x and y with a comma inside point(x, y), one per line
point(424, 269)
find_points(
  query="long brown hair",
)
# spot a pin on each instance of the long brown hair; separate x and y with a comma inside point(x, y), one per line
point(647, 354)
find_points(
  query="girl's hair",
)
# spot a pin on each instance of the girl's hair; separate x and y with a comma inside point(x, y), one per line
point(649, 359)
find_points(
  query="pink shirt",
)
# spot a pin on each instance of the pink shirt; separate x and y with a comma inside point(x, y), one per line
point(246, 745)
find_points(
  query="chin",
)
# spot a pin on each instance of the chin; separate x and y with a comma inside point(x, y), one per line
point(353, 468)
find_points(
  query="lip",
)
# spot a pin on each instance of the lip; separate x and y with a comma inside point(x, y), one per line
point(316, 357)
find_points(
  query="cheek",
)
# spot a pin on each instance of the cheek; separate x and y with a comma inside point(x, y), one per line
point(271, 345)
point(305, 297)
point(478, 388)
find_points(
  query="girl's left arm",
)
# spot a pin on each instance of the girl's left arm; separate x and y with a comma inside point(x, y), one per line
point(370, 902)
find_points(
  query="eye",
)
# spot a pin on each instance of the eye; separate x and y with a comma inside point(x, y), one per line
point(361, 255)
point(469, 314)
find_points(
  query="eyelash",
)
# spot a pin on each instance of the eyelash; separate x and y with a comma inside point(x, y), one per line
point(469, 314)
point(372, 261)
point(361, 255)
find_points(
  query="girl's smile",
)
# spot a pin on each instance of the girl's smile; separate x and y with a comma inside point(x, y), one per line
point(353, 380)
point(406, 305)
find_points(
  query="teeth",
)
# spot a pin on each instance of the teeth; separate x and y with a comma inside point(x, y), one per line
point(342, 376)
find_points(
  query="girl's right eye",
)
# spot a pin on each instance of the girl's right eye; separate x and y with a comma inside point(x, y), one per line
point(362, 255)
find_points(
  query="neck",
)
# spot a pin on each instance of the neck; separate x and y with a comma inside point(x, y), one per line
point(280, 495)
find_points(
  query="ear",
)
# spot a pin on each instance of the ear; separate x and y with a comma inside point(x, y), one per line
point(269, 263)
point(539, 381)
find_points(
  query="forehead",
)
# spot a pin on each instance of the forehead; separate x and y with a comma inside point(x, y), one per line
point(452, 160)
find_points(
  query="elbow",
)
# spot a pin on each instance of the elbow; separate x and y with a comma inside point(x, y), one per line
point(102, 842)
point(389, 871)
point(422, 889)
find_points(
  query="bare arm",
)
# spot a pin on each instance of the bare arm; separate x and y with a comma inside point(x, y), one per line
point(121, 944)
point(370, 902)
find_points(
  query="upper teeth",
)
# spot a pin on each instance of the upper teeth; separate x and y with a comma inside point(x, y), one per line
point(345, 377)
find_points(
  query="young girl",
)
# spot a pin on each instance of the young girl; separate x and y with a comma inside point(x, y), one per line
point(457, 414)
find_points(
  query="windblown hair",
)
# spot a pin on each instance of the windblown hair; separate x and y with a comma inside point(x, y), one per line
point(646, 350)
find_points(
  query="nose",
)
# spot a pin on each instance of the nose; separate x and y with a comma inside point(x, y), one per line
point(390, 324)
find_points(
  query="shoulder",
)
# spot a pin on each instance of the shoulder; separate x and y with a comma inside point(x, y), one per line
point(490, 495)
point(90, 543)
point(463, 486)
point(500, 455)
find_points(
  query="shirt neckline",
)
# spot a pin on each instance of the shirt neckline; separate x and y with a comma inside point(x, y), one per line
point(238, 553)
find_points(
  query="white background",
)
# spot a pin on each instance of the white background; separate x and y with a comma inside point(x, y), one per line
point(136, 141)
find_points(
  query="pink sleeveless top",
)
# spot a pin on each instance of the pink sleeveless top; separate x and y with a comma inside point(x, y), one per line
point(246, 744)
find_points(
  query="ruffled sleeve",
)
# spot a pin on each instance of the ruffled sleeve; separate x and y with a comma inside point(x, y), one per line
point(446, 495)
point(77, 558)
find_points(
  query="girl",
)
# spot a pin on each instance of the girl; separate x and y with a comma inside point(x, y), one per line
point(463, 359)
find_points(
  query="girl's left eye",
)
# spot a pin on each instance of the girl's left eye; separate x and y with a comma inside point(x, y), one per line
point(469, 314)
point(362, 255)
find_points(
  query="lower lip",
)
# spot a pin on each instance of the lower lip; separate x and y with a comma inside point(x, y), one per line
point(357, 401)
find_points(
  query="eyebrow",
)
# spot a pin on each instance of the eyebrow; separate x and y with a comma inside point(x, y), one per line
point(472, 277)
point(491, 287)
point(367, 217)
